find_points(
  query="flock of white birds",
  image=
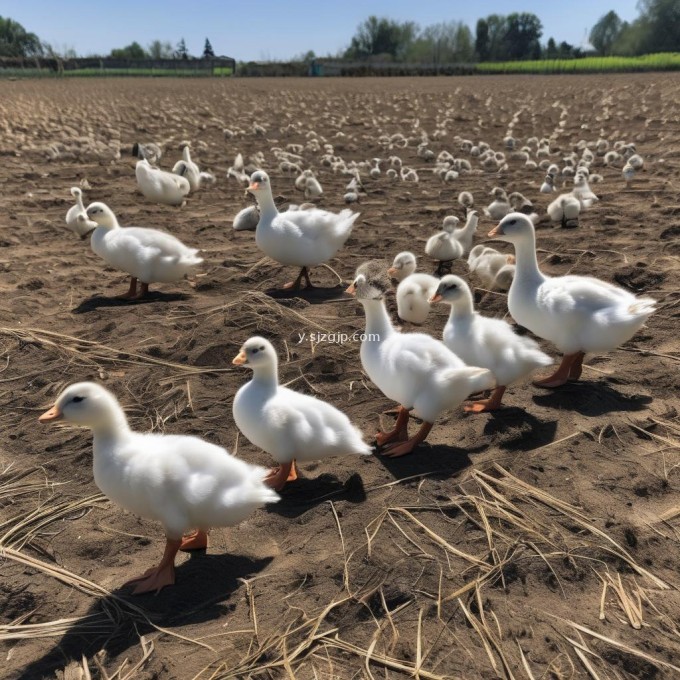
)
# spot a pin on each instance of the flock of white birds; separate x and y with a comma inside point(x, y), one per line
point(190, 485)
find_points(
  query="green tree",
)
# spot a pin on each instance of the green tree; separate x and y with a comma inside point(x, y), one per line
point(182, 52)
point(522, 36)
point(659, 25)
point(133, 51)
point(208, 52)
point(381, 36)
point(16, 41)
point(605, 32)
point(160, 50)
point(482, 40)
point(551, 49)
point(443, 43)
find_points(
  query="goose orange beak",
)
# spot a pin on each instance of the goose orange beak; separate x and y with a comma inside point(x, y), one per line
point(392, 271)
point(496, 231)
point(254, 186)
point(435, 298)
point(351, 289)
point(53, 414)
point(239, 359)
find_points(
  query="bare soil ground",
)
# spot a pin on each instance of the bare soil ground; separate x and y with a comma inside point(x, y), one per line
point(542, 541)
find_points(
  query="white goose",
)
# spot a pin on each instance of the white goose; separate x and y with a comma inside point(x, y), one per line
point(286, 424)
point(160, 186)
point(578, 314)
point(189, 170)
point(414, 290)
point(149, 255)
point(443, 247)
point(182, 482)
point(304, 238)
point(415, 370)
point(76, 217)
point(494, 269)
point(481, 341)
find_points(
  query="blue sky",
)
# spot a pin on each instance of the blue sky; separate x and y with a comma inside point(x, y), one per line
point(270, 29)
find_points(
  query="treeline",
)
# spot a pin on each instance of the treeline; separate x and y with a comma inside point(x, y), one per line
point(514, 37)
point(657, 29)
point(16, 41)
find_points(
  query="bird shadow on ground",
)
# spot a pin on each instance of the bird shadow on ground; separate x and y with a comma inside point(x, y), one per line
point(203, 584)
point(307, 492)
point(316, 295)
point(438, 461)
point(591, 399)
point(514, 429)
point(100, 301)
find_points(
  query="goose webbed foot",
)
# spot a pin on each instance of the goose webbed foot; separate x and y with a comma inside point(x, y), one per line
point(493, 403)
point(404, 448)
point(278, 476)
point(563, 374)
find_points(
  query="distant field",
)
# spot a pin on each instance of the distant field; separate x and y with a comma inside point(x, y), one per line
point(666, 61)
point(89, 72)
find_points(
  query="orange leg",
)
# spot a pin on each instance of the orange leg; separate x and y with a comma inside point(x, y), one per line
point(295, 285)
point(277, 478)
point(400, 431)
point(563, 373)
point(401, 449)
point(158, 577)
point(577, 367)
point(196, 541)
point(132, 291)
point(491, 404)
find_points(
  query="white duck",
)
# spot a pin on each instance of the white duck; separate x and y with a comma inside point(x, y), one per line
point(286, 424)
point(305, 238)
point(465, 234)
point(182, 482)
point(149, 255)
point(413, 369)
point(247, 219)
point(565, 209)
point(494, 269)
point(481, 341)
point(76, 217)
point(578, 314)
point(500, 206)
point(443, 246)
point(414, 290)
point(404, 265)
point(189, 170)
point(160, 186)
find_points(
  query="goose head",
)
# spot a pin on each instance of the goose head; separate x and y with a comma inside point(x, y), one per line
point(370, 281)
point(86, 404)
point(451, 289)
point(256, 352)
point(513, 228)
point(404, 264)
point(101, 214)
point(450, 223)
point(181, 168)
point(76, 192)
point(259, 183)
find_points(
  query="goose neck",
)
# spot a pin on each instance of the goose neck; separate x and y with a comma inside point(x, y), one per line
point(378, 323)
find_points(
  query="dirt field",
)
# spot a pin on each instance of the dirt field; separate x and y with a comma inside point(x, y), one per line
point(542, 541)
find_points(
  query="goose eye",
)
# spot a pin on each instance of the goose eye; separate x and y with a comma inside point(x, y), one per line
point(254, 351)
point(77, 400)
point(513, 222)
